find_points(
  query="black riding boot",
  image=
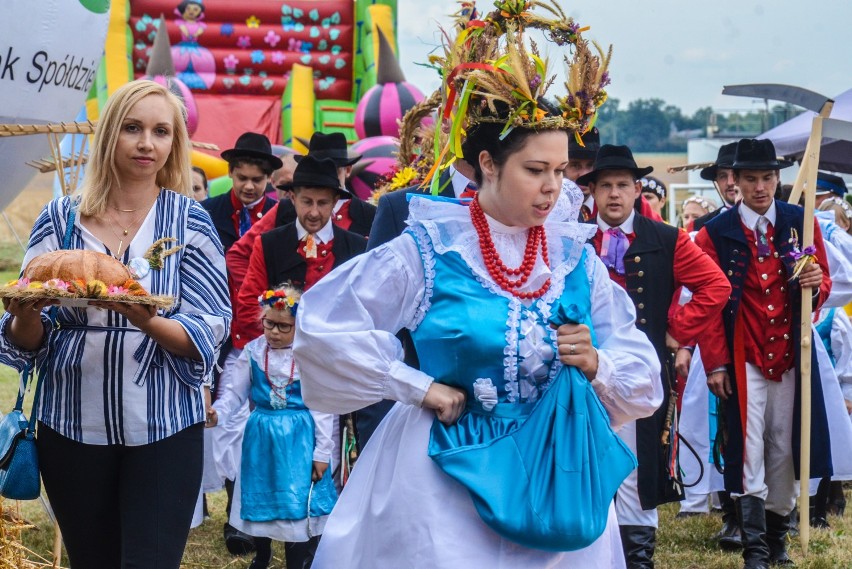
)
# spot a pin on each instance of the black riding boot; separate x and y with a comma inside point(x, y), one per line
point(836, 499)
point(729, 536)
point(776, 538)
point(819, 505)
point(751, 513)
point(300, 555)
point(263, 546)
point(638, 543)
point(237, 542)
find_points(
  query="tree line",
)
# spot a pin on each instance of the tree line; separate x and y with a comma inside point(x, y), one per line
point(652, 125)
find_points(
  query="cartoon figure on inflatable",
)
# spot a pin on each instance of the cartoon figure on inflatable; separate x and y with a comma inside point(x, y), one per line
point(195, 65)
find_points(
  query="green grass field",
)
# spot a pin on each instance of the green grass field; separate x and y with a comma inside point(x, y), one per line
point(681, 544)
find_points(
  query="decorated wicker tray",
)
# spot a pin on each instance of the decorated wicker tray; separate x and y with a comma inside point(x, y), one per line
point(79, 293)
point(77, 277)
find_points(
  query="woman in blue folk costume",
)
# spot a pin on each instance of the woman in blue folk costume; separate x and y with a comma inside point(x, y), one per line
point(499, 452)
point(284, 490)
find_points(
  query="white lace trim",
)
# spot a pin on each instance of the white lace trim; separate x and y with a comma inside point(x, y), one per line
point(427, 256)
point(510, 351)
point(449, 227)
point(443, 226)
point(567, 207)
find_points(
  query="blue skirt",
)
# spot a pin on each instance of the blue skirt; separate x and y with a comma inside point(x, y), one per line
point(277, 461)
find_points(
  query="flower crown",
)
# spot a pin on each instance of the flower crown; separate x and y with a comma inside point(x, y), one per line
point(490, 75)
point(279, 299)
point(701, 202)
point(842, 204)
point(653, 185)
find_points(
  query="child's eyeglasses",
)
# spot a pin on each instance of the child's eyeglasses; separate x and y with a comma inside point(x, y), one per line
point(283, 327)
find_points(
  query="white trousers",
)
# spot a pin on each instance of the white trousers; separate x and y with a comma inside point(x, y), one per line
point(628, 508)
point(768, 462)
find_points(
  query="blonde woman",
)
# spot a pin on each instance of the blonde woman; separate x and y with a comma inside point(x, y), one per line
point(121, 407)
point(694, 207)
point(842, 212)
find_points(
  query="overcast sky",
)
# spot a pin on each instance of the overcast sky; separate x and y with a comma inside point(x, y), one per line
point(683, 51)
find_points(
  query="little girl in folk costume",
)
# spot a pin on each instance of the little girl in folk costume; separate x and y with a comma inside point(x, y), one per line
point(284, 490)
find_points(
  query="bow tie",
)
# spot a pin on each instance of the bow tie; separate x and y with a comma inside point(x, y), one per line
point(310, 246)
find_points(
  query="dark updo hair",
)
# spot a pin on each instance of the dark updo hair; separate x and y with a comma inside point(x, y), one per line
point(486, 136)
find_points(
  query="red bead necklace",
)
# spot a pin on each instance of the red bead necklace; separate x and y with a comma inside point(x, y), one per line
point(270, 382)
point(497, 269)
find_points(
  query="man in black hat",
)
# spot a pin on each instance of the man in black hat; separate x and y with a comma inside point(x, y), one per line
point(721, 174)
point(250, 163)
point(350, 213)
point(750, 351)
point(581, 161)
point(304, 250)
point(650, 260)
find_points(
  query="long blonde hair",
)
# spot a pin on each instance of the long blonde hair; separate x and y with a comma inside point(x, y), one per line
point(101, 174)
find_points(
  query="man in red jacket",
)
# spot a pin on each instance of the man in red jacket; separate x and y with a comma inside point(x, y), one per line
point(750, 351)
point(349, 213)
point(651, 261)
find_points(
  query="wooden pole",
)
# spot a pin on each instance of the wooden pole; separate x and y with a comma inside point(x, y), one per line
point(810, 163)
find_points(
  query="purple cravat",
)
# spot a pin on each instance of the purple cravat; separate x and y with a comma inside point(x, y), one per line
point(613, 246)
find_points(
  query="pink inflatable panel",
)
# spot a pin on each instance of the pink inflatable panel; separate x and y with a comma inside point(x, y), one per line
point(246, 48)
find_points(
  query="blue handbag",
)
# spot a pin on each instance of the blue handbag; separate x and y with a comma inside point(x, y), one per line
point(548, 484)
point(19, 474)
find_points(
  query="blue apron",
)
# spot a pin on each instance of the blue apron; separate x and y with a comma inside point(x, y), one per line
point(537, 455)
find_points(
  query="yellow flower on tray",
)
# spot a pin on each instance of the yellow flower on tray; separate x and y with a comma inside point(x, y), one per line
point(96, 289)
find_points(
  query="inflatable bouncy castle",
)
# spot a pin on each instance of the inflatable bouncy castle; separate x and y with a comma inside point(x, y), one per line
point(282, 68)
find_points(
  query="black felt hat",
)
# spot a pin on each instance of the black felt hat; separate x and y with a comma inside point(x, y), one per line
point(830, 184)
point(725, 159)
point(253, 145)
point(591, 145)
point(313, 172)
point(754, 154)
point(332, 145)
point(612, 157)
